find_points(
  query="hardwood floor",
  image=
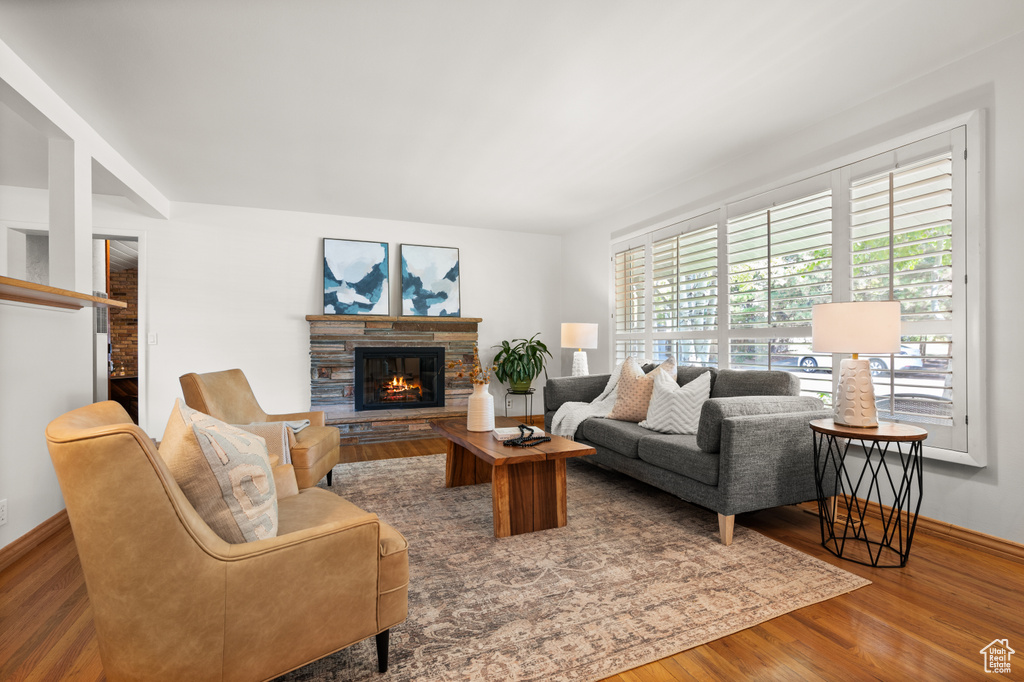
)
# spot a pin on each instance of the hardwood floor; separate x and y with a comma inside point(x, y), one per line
point(927, 621)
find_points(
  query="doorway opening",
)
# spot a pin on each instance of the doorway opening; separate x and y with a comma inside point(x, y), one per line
point(116, 340)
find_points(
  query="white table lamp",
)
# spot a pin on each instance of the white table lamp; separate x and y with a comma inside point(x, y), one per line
point(579, 335)
point(858, 327)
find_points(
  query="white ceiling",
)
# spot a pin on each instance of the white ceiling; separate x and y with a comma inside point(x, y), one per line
point(535, 115)
point(124, 254)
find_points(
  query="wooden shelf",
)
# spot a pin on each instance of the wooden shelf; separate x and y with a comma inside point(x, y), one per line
point(39, 294)
point(389, 318)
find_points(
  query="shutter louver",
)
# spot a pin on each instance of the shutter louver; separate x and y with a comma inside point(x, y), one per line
point(686, 281)
point(629, 290)
point(901, 248)
point(911, 260)
point(780, 263)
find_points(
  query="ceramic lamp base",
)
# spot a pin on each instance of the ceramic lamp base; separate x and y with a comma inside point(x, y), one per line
point(855, 399)
point(579, 364)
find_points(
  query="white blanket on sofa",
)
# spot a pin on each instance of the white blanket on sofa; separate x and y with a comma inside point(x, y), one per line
point(570, 415)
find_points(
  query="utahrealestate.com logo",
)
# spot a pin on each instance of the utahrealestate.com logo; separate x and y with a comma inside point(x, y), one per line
point(997, 656)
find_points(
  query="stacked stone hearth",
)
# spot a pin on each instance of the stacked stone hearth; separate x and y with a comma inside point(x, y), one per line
point(332, 343)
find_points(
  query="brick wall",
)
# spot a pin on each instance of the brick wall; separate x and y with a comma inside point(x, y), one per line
point(124, 322)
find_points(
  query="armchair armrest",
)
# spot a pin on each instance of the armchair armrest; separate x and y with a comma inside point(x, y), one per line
point(327, 574)
point(315, 418)
point(559, 390)
point(767, 460)
point(345, 531)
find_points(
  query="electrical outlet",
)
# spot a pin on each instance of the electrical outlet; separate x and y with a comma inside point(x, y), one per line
point(508, 403)
point(3, 512)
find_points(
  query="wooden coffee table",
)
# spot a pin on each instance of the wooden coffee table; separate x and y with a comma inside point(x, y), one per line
point(527, 484)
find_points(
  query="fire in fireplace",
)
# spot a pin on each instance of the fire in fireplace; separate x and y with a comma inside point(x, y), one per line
point(398, 378)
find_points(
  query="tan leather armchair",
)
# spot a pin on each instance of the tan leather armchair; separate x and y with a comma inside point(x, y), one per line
point(171, 600)
point(227, 396)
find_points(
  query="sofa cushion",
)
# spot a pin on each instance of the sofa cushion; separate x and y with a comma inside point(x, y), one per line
point(686, 373)
point(224, 472)
point(680, 454)
point(559, 390)
point(622, 437)
point(731, 383)
point(675, 408)
point(716, 410)
point(634, 390)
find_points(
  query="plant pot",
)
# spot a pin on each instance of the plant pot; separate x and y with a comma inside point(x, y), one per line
point(480, 415)
point(520, 386)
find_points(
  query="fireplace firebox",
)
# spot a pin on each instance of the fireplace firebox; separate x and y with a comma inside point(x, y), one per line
point(396, 378)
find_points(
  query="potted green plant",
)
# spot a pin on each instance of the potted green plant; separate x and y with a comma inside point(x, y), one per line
point(520, 361)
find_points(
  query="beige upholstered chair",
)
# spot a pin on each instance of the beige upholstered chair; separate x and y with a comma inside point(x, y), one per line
point(227, 396)
point(171, 600)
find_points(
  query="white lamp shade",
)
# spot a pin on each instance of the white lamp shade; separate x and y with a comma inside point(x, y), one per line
point(579, 335)
point(857, 327)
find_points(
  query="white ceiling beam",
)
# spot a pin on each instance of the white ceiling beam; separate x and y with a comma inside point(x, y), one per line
point(32, 99)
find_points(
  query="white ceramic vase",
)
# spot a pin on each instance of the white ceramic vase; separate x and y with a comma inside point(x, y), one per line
point(481, 409)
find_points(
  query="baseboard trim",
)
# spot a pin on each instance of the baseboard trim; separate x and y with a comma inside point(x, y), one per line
point(972, 539)
point(32, 539)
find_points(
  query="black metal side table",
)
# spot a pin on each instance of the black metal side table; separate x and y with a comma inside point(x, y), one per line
point(527, 399)
point(890, 485)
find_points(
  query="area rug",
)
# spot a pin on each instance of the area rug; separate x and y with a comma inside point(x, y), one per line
point(635, 576)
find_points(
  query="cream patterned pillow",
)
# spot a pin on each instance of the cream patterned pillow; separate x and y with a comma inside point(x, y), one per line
point(675, 408)
point(224, 472)
point(634, 390)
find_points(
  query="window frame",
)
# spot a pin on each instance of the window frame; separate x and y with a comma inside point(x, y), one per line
point(968, 250)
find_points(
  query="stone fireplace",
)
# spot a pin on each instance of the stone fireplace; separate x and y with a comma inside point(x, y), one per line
point(333, 344)
point(397, 378)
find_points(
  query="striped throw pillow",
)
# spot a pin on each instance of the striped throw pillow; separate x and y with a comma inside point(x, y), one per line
point(675, 408)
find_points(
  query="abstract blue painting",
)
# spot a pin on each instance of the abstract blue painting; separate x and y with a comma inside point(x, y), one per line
point(430, 281)
point(355, 277)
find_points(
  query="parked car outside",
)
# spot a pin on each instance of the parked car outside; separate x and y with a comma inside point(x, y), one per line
point(908, 358)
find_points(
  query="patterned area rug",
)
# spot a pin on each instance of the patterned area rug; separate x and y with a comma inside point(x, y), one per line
point(635, 576)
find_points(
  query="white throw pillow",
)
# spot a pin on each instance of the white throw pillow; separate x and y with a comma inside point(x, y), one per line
point(675, 408)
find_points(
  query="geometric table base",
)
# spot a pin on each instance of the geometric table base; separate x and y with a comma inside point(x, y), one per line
point(889, 485)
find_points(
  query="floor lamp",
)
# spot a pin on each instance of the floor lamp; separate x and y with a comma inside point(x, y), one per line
point(856, 327)
point(579, 335)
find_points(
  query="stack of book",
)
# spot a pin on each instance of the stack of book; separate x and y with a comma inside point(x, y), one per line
point(509, 432)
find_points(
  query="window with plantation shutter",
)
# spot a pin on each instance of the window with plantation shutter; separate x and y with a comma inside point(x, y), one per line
point(627, 347)
point(629, 290)
point(902, 223)
point(685, 294)
point(686, 281)
point(734, 287)
point(780, 263)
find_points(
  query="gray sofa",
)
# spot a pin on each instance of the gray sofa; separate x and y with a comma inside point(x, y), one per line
point(752, 450)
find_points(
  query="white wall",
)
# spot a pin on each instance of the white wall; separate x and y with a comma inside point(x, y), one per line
point(989, 500)
point(45, 370)
point(585, 290)
point(230, 287)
